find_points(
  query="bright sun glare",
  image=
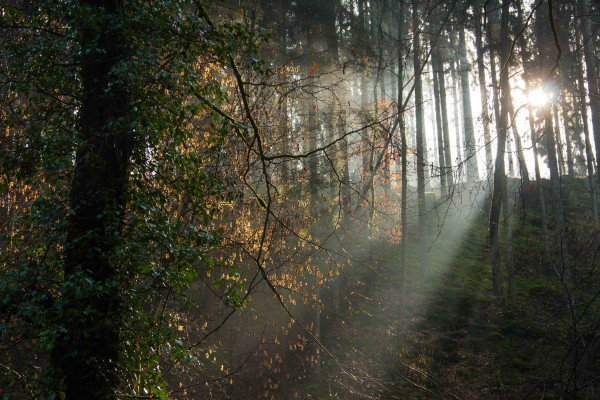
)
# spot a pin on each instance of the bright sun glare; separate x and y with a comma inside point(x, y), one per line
point(539, 97)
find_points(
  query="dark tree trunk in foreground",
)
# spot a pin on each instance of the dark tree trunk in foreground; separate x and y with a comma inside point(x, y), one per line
point(85, 356)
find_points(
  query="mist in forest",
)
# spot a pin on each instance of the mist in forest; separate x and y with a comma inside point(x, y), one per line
point(277, 199)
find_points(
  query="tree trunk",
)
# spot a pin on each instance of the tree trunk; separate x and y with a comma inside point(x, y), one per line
point(456, 113)
point(523, 170)
point(568, 72)
point(591, 76)
point(445, 128)
point(86, 355)
point(589, 153)
point(499, 171)
point(493, 43)
point(469, 133)
point(568, 138)
point(485, 117)
point(313, 131)
point(538, 177)
point(420, 132)
point(284, 99)
point(534, 137)
point(509, 157)
point(401, 18)
point(439, 127)
point(365, 134)
point(546, 59)
point(313, 161)
point(559, 143)
point(508, 254)
point(285, 144)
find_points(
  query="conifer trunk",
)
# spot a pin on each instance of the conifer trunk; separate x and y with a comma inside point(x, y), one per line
point(445, 127)
point(404, 163)
point(469, 131)
point(589, 152)
point(483, 93)
point(499, 190)
point(439, 128)
point(420, 133)
point(591, 76)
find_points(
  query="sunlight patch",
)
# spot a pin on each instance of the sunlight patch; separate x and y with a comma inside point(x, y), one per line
point(540, 97)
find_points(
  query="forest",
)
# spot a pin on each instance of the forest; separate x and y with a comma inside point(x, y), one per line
point(299, 199)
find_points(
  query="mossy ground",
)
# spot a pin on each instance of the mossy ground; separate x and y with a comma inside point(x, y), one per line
point(453, 339)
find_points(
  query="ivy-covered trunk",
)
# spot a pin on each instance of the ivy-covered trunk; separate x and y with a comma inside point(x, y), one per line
point(86, 352)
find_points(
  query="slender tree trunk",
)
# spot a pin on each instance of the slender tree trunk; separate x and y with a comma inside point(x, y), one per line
point(346, 201)
point(285, 121)
point(545, 59)
point(499, 171)
point(493, 43)
point(589, 152)
point(568, 84)
point(394, 79)
point(524, 171)
point(456, 114)
point(393, 27)
point(552, 164)
point(563, 268)
point(532, 128)
point(313, 162)
point(364, 94)
point(508, 254)
point(285, 144)
point(312, 111)
point(445, 127)
point(420, 132)
point(404, 162)
point(483, 92)
point(568, 140)
point(439, 127)
point(591, 67)
point(559, 144)
point(538, 177)
point(377, 26)
point(469, 132)
point(86, 354)
point(331, 163)
point(509, 157)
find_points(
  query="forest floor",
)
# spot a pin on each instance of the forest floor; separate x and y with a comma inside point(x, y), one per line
point(453, 340)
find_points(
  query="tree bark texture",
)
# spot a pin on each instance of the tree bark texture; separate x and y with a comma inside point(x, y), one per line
point(469, 132)
point(499, 171)
point(421, 147)
point(86, 353)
